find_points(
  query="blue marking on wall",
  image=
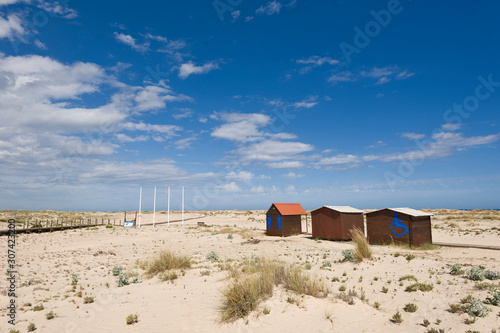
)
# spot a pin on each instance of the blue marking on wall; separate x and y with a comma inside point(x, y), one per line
point(269, 222)
point(279, 222)
point(397, 223)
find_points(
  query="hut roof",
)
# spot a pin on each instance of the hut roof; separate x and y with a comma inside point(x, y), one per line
point(342, 209)
point(290, 209)
point(407, 211)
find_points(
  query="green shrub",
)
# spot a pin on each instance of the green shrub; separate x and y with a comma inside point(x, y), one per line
point(212, 256)
point(348, 255)
point(491, 275)
point(456, 270)
point(410, 307)
point(419, 286)
point(132, 318)
point(31, 327)
point(88, 300)
point(408, 277)
point(475, 308)
point(475, 274)
point(409, 257)
point(495, 299)
point(397, 318)
point(38, 307)
point(117, 270)
point(49, 315)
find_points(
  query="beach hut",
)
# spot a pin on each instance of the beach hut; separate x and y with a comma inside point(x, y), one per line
point(401, 225)
point(336, 222)
point(284, 219)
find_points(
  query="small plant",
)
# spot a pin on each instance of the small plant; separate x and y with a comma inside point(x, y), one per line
point(14, 331)
point(88, 300)
point(426, 323)
point(230, 236)
point(348, 255)
point(308, 266)
point(410, 307)
point(290, 300)
point(438, 321)
point(495, 299)
point(38, 307)
point(109, 226)
point(117, 270)
point(74, 279)
point(491, 275)
point(385, 290)
point(50, 315)
point(419, 286)
point(397, 254)
point(397, 318)
point(456, 308)
point(327, 263)
point(408, 277)
point(31, 327)
point(342, 288)
point(212, 256)
point(410, 257)
point(475, 274)
point(456, 270)
point(470, 321)
point(376, 305)
point(205, 272)
point(266, 310)
point(335, 279)
point(132, 318)
point(122, 280)
point(433, 330)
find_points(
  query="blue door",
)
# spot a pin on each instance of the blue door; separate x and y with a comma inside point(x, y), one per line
point(269, 222)
point(279, 222)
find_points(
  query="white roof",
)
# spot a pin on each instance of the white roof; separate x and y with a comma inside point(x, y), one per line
point(344, 209)
point(408, 211)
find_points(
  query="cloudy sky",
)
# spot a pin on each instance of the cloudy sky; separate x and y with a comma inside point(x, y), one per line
point(371, 104)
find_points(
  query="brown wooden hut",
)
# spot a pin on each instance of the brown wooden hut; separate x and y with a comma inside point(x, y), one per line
point(284, 219)
point(336, 222)
point(399, 225)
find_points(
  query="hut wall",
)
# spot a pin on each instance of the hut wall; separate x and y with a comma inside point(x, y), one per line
point(326, 224)
point(378, 225)
point(290, 224)
point(349, 222)
point(420, 231)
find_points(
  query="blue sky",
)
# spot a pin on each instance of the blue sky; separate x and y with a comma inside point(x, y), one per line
point(370, 103)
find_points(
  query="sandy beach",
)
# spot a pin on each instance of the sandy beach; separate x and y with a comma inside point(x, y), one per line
point(61, 270)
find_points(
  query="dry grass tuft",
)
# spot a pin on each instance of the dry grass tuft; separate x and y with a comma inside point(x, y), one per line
point(256, 281)
point(165, 261)
point(362, 249)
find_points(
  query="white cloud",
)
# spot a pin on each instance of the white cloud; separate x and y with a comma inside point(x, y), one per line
point(184, 113)
point(451, 127)
point(404, 75)
point(230, 187)
point(345, 76)
point(167, 130)
point(248, 18)
point(257, 189)
point(184, 143)
point(11, 2)
point(189, 68)
point(272, 7)
point(271, 151)
point(377, 72)
point(304, 104)
point(293, 175)
point(40, 45)
point(382, 80)
point(290, 188)
point(413, 136)
point(318, 61)
point(286, 165)
point(245, 176)
point(55, 7)
point(339, 159)
point(443, 144)
point(235, 14)
point(242, 127)
point(11, 26)
point(131, 41)
point(125, 138)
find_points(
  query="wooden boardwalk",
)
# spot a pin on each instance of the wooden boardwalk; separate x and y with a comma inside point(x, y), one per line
point(472, 246)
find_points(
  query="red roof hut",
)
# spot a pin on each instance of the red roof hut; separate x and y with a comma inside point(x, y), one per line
point(284, 219)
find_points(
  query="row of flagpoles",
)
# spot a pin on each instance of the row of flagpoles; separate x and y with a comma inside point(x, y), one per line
point(154, 206)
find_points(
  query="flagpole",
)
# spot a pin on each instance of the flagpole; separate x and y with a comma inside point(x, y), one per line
point(140, 203)
point(154, 208)
point(168, 207)
point(182, 205)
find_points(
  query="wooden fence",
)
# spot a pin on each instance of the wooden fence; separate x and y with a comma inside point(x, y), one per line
point(47, 225)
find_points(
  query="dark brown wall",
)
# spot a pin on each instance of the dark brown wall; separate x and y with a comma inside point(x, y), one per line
point(290, 224)
point(333, 225)
point(378, 225)
point(421, 231)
